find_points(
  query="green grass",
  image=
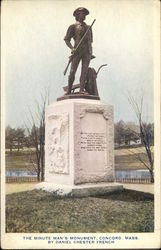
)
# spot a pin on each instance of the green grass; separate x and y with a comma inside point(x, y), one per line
point(128, 158)
point(41, 212)
point(129, 161)
point(20, 160)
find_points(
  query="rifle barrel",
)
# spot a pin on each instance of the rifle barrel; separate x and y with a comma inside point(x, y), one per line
point(65, 71)
point(84, 35)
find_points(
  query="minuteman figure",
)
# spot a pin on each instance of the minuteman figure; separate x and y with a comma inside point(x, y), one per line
point(84, 52)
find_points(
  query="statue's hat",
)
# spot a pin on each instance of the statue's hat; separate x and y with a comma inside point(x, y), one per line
point(80, 9)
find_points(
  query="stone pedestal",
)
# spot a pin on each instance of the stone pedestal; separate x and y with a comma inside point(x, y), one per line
point(79, 148)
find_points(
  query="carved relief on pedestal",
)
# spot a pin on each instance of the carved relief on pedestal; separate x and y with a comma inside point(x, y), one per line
point(58, 143)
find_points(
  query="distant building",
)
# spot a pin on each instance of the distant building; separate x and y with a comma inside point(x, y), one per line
point(135, 142)
point(130, 143)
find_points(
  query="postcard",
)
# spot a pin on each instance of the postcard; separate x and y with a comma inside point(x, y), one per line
point(80, 124)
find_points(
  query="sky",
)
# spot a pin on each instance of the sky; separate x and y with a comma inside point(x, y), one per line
point(34, 54)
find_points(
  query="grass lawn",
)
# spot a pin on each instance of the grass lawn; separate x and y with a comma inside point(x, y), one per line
point(20, 160)
point(128, 158)
point(40, 212)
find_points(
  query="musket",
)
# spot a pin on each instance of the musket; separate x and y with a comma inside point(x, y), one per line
point(71, 57)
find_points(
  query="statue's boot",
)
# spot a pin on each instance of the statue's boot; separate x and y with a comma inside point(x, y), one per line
point(82, 91)
point(82, 88)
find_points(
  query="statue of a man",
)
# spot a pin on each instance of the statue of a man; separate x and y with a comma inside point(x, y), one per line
point(84, 52)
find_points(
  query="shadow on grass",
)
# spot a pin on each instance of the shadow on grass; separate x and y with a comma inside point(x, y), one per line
point(121, 195)
point(127, 195)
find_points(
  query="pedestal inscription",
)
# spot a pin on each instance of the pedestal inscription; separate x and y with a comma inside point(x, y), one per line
point(93, 141)
point(94, 150)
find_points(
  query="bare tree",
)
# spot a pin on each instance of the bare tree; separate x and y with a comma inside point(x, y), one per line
point(37, 135)
point(146, 134)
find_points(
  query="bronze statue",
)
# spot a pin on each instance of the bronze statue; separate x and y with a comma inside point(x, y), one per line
point(81, 33)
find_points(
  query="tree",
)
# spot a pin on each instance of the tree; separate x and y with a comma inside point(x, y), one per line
point(15, 138)
point(10, 138)
point(10, 135)
point(124, 134)
point(37, 136)
point(146, 134)
point(29, 141)
point(19, 138)
point(119, 131)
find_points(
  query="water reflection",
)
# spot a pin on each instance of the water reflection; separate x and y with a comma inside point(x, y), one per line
point(141, 173)
point(20, 173)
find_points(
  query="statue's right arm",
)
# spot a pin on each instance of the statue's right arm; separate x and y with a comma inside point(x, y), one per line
point(69, 44)
point(69, 36)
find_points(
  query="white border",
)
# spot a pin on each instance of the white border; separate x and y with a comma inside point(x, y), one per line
point(146, 240)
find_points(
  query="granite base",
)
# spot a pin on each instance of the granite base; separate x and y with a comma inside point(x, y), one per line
point(84, 190)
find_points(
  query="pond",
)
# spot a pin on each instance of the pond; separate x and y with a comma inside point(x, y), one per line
point(20, 173)
point(141, 173)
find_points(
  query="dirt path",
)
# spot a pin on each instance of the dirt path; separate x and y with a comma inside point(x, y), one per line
point(19, 187)
point(147, 188)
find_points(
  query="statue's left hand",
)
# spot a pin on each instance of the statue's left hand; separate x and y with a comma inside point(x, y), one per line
point(73, 51)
